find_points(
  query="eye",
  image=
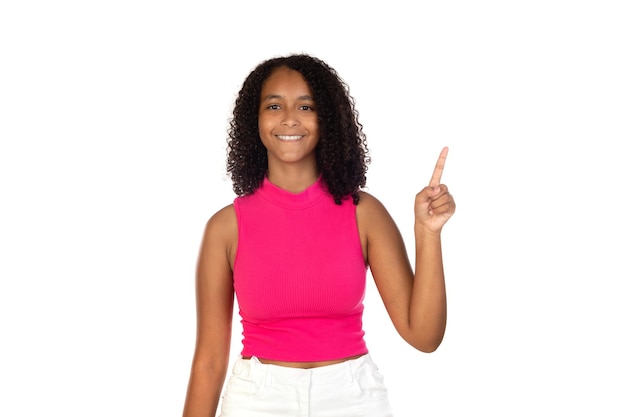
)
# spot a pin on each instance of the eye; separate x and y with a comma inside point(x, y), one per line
point(307, 107)
point(273, 107)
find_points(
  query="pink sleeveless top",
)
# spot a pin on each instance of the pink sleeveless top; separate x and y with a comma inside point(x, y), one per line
point(299, 275)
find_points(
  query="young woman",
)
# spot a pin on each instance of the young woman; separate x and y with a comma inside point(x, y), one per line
point(294, 248)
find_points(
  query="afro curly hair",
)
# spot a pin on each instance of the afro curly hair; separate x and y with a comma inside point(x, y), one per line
point(342, 155)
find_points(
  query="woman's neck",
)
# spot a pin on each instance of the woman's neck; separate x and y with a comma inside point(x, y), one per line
point(292, 179)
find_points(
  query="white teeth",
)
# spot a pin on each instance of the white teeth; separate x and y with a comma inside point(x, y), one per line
point(289, 137)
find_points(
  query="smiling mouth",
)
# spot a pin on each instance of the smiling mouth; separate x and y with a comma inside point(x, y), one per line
point(289, 137)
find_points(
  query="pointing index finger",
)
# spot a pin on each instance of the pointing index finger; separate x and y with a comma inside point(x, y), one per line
point(438, 172)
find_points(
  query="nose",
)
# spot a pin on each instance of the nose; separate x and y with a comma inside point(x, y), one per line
point(290, 118)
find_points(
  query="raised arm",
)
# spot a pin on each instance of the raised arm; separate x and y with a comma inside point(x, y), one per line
point(214, 303)
point(415, 299)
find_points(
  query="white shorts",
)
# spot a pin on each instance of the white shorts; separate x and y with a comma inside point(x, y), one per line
point(353, 388)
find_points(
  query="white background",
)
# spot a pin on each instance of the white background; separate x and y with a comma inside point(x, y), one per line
point(113, 121)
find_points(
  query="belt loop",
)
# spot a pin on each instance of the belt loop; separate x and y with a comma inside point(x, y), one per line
point(268, 378)
point(257, 373)
point(351, 371)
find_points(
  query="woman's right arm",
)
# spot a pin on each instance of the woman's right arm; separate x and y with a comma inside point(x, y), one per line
point(214, 305)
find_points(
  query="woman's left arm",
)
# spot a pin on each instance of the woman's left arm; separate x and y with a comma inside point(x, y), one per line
point(414, 299)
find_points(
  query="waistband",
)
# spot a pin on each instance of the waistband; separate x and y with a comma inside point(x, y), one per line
point(259, 372)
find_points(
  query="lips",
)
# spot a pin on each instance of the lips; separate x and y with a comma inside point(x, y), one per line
point(289, 137)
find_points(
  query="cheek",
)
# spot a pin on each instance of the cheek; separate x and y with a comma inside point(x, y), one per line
point(264, 126)
point(313, 125)
point(316, 130)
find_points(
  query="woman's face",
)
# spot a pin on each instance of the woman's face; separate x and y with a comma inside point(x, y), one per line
point(288, 124)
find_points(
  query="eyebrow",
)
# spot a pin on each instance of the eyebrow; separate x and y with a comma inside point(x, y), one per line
point(278, 96)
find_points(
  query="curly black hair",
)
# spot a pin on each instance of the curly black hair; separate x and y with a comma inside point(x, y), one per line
point(342, 155)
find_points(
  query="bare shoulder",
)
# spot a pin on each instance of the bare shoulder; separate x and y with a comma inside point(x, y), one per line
point(375, 221)
point(380, 237)
point(223, 220)
point(221, 232)
point(370, 209)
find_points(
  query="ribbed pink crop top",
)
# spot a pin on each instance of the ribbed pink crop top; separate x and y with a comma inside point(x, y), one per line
point(299, 275)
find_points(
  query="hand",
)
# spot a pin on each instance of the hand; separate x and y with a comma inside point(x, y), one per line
point(434, 205)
